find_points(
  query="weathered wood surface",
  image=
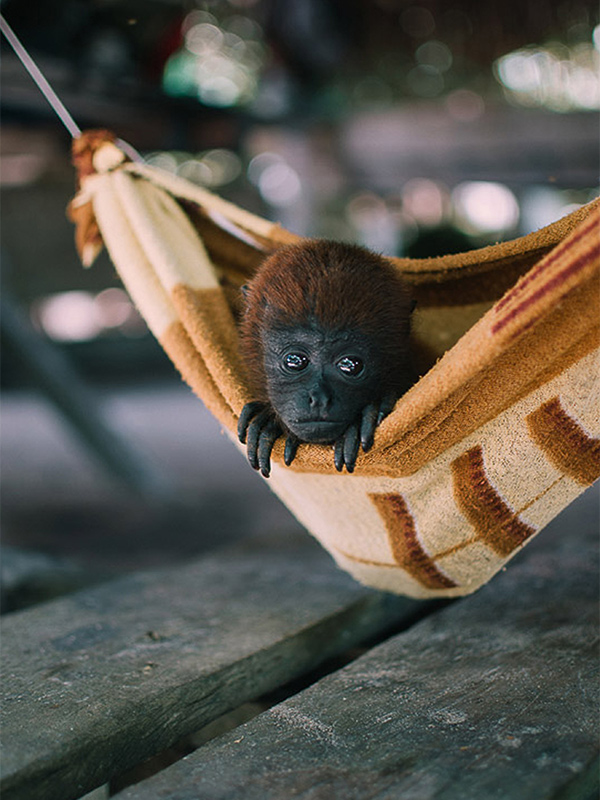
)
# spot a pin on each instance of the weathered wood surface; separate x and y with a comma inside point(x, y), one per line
point(101, 680)
point(493, 698)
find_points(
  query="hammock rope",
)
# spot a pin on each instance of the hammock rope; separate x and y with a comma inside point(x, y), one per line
point(48, 92)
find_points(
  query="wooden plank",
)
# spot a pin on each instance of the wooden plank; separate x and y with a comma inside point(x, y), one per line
point(494, 697)
point(101, 680)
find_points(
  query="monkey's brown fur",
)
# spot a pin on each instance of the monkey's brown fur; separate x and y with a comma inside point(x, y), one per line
point(335, 286)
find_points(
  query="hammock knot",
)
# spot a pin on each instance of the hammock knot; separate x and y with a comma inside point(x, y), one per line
point(108, 157)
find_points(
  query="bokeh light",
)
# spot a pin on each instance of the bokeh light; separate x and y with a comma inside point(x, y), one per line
point(555, 76)
point(375, 223)
point(484, 207)
point(211, 168)
point(80, 316)
point(541, 205)
point(69, 316)
point(465, 105)
point(220, 62)
point(426, 201)
point(435, 54)
point(278, 183)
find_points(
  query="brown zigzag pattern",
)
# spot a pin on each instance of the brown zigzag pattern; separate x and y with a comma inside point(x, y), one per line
point(406, 548)
point(565, 444)
point(496, 524)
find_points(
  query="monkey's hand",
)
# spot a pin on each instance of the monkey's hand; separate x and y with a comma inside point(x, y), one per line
point(361, 433)
point(259, 428)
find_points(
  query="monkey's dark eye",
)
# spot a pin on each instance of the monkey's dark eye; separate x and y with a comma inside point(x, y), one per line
point(295, 361)
point(350, 365)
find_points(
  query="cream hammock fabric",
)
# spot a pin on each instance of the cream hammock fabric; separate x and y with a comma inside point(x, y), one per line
point(500, 433)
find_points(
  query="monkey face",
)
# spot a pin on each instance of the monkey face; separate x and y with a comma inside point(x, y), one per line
point(319, 380)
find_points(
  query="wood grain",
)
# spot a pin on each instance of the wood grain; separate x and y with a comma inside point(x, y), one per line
point(495, 696)
point(101, 680)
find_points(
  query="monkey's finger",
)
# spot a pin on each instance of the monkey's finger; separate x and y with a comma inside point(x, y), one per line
point(351, 446)
point(338, 454)
point(386, 407)
point(253, 436)
point(368, 424)
point(291, 448)
point(248, 411)
point(268, 436)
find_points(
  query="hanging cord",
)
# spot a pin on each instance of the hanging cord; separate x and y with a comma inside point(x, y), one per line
point(49, 93)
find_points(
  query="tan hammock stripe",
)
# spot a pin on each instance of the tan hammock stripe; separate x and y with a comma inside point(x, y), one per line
point(565, 443)
point(406, 548)
point(495, 522)
point(178, 346)
point(209, 324)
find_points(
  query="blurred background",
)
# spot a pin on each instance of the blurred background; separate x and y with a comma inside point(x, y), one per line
point(415, 127)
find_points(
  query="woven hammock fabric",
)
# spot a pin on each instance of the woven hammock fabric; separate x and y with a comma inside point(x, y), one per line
point(499, 435)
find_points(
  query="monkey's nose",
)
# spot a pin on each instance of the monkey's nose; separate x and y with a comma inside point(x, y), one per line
point(319, 399)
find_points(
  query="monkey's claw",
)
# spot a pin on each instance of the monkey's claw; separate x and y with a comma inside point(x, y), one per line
point(361, 433)
point(372, 415)
point(368, 423)
point(291, 448)
point(249, 411)
point(259, 428)
point(346, 448)
point(386, 407)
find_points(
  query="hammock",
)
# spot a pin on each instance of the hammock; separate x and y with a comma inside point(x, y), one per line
point(499, 435)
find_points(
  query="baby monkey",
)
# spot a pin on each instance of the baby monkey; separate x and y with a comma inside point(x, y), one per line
point(325, 339)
